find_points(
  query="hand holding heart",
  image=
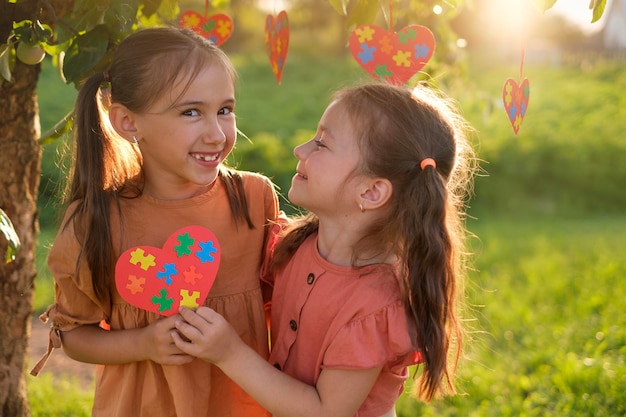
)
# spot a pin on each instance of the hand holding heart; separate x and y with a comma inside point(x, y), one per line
point(209, 336)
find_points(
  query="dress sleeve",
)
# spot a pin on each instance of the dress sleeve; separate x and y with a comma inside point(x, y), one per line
point(378, 339)
point(75, 302)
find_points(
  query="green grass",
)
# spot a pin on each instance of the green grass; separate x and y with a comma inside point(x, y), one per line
point(58, 397)
point(548, 335)
point(550, 332)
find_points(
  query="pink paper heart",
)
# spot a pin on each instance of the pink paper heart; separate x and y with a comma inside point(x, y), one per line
point(392, 57)
point(217, 28)
point(277, 42)
point(515, 98)
point(162, 279)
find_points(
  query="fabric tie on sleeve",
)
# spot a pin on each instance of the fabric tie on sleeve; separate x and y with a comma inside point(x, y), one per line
point(54, 341)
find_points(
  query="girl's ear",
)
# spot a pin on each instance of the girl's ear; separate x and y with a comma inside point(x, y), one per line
point(123, 121)
point(377, 194)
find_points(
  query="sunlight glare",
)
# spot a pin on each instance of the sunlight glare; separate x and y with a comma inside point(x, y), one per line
point(437, 9)
point(510, 18)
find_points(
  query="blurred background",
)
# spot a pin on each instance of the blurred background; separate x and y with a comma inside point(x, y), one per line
point(546, 297)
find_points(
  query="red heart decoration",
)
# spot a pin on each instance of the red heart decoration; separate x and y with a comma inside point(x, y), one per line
point(515, 98)
point(181, 273)
point(217, 28)
point(277, 42)
point(392, 57)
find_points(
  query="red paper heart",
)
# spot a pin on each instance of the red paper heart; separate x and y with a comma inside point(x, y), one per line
point(277, 42)
point(181, 273)
point(515, 98)
point(217, 28)
point(392, 57)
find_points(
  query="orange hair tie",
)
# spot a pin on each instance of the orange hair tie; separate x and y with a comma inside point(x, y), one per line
point(428, 162)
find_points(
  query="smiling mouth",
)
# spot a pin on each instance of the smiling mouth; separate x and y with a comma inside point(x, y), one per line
point(302, 176)
point(205, 157)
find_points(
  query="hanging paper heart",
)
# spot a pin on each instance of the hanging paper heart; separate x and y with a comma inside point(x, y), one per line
point(392, 57)
point(217, 28)
point(181, 273)
point(277, 42)
point(515, 98)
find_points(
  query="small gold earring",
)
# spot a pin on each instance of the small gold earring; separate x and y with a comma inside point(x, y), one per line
point(135, 141)
point(361, 208)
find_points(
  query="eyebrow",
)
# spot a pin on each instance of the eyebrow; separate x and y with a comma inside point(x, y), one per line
point(230, 101)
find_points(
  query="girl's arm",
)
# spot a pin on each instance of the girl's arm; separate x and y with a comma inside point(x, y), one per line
point(92, 344)
point(337, 393)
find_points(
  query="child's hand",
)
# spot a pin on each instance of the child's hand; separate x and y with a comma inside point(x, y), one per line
point(159, 345)
point(209, 336)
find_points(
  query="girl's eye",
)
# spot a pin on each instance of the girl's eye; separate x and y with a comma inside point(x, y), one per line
point(319, 143)
point(191, 112)
point(225, 110)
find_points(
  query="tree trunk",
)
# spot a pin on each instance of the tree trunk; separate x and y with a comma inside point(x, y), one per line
point(20, 157)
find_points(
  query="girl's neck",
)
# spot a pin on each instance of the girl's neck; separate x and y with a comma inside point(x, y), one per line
point(177, 192)
point(336, 244)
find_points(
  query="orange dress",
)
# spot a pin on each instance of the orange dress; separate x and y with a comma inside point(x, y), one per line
point(335, 317)
point(197, 389)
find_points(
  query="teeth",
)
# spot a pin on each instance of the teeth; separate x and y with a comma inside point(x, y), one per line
point(206, 158)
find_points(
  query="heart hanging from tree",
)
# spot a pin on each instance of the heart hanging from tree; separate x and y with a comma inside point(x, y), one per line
point(162, 279)
point(277, 42)
point(515, 98)
point(392, 57)
point(217, 28)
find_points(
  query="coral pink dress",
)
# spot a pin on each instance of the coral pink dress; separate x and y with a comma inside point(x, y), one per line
point(334, 317)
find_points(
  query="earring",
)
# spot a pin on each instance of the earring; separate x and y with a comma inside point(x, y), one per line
point(135, 141)
point(361, 208)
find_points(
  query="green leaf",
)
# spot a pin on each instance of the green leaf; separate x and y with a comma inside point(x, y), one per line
point(23, 31)
point(598, 9)
point(7, 61)
point(7, 229)
point(62, 127)
point(121, 16)
point(150, 7)
point(168, 11)
point(84, 53)
point(85, 15)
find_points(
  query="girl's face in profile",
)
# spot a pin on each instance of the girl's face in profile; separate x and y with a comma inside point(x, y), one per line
point(326, 176)
point(184, 142)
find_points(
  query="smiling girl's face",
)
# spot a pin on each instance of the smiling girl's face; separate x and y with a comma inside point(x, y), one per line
point(326, 175)
point(184, 141)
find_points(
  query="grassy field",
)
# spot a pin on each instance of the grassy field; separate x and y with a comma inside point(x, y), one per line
point(546, 317)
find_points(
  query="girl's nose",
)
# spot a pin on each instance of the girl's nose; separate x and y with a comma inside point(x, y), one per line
point(214, 133)
point(301, 151)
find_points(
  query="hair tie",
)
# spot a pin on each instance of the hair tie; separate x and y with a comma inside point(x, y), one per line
point(428, 162)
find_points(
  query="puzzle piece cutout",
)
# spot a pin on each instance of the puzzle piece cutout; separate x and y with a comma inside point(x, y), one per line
point(139, 257)
point(207, 252)
point(191, 276)
point(162, 301)
point(185, 245)
point(135, 284)
point(189, 298)
point(169, 271)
